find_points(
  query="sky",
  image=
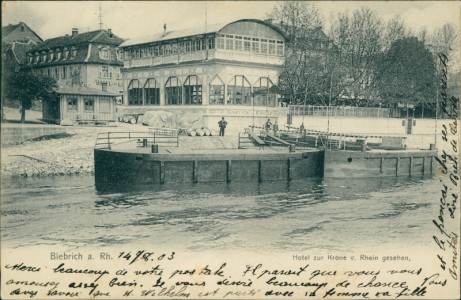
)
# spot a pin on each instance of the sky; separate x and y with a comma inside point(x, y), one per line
point(133, 19)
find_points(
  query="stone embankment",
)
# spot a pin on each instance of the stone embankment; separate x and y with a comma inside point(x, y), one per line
point(72, 154)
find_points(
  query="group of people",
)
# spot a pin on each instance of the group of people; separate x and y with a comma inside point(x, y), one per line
point(267, 126)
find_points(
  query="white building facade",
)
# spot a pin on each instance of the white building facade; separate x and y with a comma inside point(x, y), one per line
point(228, 70)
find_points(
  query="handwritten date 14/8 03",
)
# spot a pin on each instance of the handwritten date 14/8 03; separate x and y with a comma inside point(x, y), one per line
point(143, 255)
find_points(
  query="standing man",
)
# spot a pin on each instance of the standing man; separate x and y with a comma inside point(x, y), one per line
point(222, 126)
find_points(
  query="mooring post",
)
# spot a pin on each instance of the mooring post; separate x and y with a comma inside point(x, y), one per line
point(194, 171)
point(289, 169)
point(162, 172)
point(229, 170)
point(411, 165)
point(260, 179)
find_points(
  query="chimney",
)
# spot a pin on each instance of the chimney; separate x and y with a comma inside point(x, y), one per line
point(164, 29)
point(74, 31)
point(110, 33)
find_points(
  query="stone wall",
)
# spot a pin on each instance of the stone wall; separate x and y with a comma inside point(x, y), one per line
point(20, 134)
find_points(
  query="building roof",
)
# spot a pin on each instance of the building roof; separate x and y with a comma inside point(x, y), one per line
point(6, 30)
point(101, 36)
point(171, 35)
point(20, 50)
point(83, 90)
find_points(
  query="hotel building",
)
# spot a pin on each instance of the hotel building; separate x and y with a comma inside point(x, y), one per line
point(228, 70)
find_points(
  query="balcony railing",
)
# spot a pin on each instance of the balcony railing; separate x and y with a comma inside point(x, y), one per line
point(240, 56)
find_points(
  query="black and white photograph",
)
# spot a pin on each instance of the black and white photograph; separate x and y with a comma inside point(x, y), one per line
point(230, 150)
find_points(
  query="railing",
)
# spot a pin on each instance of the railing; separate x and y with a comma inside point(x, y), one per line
point(105, 140)
point(339, 111)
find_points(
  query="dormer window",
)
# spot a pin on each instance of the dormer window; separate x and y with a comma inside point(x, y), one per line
point(58, 54)
point(66, 53)
point(37, 57)
point(51, 55)
point(31, 59)
point(44, 56)
point(119, 54)
point(73, 53)
point(104, 53)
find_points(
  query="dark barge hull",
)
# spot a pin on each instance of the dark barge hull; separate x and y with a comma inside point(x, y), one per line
point(358, 164)
point(114, 167)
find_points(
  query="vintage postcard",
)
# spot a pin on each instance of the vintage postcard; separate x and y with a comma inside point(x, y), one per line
point(230, 150)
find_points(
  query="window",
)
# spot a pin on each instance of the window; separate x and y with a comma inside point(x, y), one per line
point(44, 56)
point(239, 91)
point(173, 92)
point(104, 72)
point(271, 47)
point(167, 49)
point(216, 91)
point(211, 44)
point(74, 52)
point(104, 53)
point(188, 47)
point(280, 48)
point(229, 42)
point(192, 91)
point(134, 93)
point(51, 55)
point(56, 73)
point(198, 45)
point(49, 72)
point(239, 43)
point(246, 44)
point(72, 104)
point(263, 46)
point(58, 54)
point(66, 53)
point(151, 92)
point(119, 54)
point(255, 45)
point(220, 41)
point(89, 104)
point(31, 59)
point(64, 73)
point(262, 93)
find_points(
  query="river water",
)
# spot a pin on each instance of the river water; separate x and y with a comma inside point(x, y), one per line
point(316, 214)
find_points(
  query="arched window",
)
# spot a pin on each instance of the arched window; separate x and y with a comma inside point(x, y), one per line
point(216, 91)
point(134, 93)
point(239, 91)
point(151, 92)
point(173, 91)
point(262, 93)
point(192, 91)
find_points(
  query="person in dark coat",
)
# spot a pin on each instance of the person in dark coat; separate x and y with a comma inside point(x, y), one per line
point(222, 126)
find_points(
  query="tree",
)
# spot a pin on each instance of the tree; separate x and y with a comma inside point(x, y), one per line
point(25, 86)
point(407, 74)
point(359, 39)
point(304, 68)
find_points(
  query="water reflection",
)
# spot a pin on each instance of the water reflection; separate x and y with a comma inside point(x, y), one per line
point(276, 216)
